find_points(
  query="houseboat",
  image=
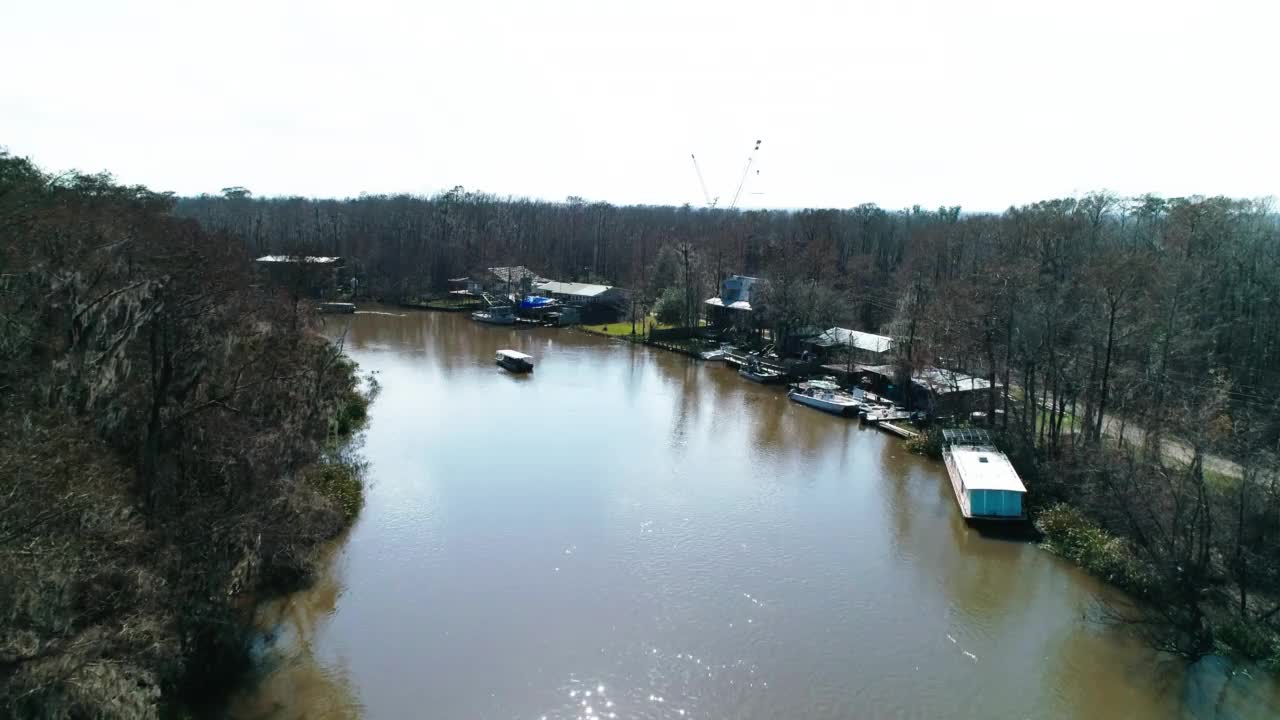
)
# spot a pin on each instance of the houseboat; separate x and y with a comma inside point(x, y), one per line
point(985, 484)
point(516, 362)
point(497, 315)
point(826, 396)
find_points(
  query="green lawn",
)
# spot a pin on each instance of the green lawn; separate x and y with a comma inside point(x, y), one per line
point(622, 328)
point(1070, 423)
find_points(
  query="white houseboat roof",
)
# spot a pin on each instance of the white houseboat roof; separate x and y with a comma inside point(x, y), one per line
point(985, 468)
point(514, 355)
point(315, 259)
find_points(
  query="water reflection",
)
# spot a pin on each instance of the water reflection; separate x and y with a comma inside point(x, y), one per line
point(298, 683)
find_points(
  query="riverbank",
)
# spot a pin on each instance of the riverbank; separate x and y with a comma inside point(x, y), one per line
point(174, 446)
point(1072, 523)
point(1069, 533)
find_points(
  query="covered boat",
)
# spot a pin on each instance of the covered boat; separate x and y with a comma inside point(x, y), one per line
point(515, 361)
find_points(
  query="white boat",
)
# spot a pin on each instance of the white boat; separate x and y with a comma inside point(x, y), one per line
point(892, 414)
point(495, 316)
point(872, 403)
point(515, 361)
point(826, 396)
point(713, 355)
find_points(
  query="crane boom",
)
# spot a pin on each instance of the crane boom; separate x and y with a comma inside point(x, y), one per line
point(706, 195)
point(750, 159)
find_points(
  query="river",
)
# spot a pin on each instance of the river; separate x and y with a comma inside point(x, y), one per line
point(630, 533)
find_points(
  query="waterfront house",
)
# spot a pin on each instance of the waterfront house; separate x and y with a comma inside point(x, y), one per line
point(937, 390)
point(732, 307)
point(465, 286)
point(985, 484)
point(594, 303)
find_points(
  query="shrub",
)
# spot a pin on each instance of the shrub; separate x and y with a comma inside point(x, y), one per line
point(928, 443)
point(1070, 534)
point(338, 481)
point(1251, 641)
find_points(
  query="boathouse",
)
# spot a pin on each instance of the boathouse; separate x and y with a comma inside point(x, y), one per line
point(515, 279)
point(984, 482)
point(583, 294)
point(937, 390)
point(852, 346)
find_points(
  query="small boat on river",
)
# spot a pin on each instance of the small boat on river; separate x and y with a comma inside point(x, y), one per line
point(757, 373)
point(826, 396)
point(516, 362)
point(501, 315)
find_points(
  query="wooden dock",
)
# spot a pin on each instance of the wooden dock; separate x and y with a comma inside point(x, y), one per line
point(898, 430)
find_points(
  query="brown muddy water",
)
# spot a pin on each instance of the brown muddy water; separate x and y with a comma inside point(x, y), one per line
point(629, 533)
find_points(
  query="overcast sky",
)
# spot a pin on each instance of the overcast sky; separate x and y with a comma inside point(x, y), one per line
point(897, 102)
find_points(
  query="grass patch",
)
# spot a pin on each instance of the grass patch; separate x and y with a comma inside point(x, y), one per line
point(1070, 423)
point(623, 328)
point(339, 482)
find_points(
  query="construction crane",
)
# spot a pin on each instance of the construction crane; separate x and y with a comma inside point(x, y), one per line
point(713, 201)
point(750, 159)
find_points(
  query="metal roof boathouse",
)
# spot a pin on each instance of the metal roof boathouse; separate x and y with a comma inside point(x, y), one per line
point(984, 481)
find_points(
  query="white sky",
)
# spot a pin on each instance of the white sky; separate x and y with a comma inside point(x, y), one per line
point(981, 104)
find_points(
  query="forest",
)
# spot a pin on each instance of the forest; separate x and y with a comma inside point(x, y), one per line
point(1134, 344)
point(173, 449)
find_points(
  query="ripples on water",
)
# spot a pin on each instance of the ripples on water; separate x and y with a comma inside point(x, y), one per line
point(630, 533)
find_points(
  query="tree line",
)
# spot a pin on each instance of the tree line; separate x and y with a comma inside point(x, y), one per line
point(171, 449)
point(1132, 343)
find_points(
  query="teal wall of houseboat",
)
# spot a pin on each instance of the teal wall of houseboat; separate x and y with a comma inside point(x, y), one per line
point(998, 503)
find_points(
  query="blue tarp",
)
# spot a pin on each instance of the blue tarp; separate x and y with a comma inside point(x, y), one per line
point(535, 301)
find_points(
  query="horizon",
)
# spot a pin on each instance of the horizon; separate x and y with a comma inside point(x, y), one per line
point(916, 103)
